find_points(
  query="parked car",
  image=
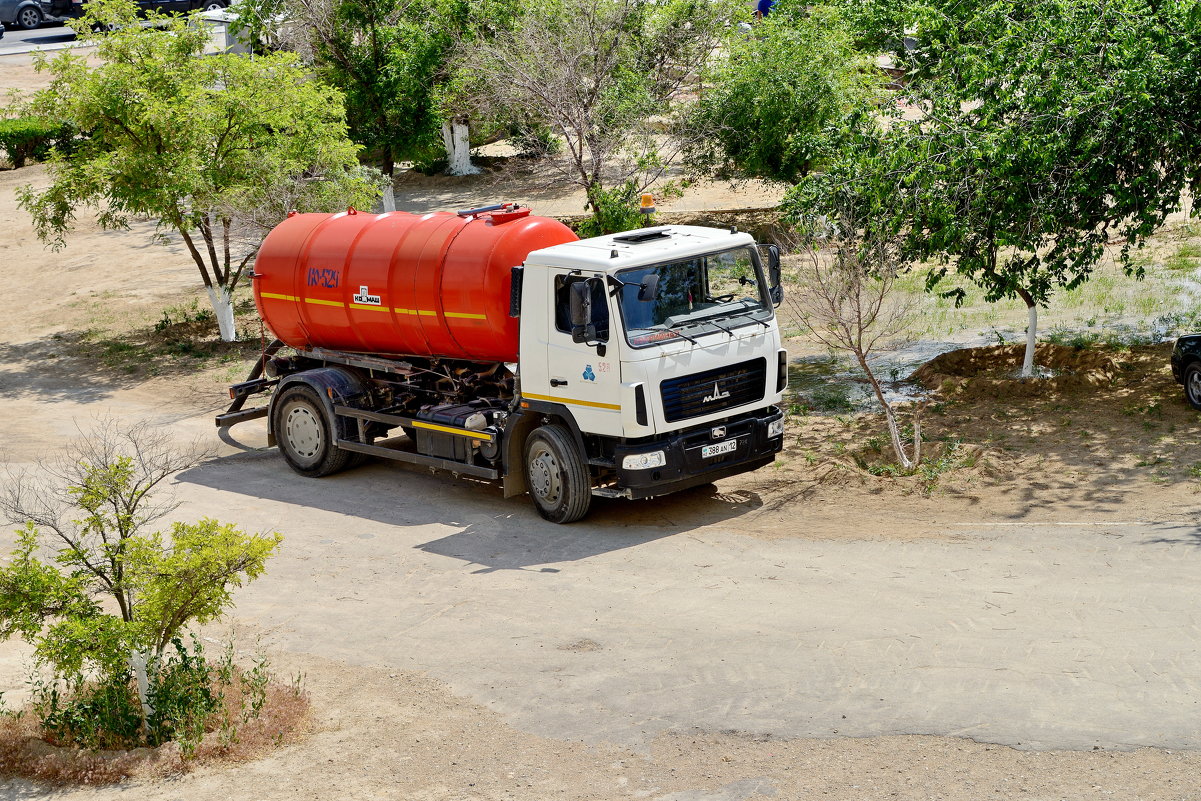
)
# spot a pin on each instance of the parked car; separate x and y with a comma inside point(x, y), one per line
point(74, 8)
point(26, 14)
point(1186, 367)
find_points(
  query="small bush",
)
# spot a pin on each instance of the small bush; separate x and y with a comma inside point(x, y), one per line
point(27, 138)
point(93, 715)
point(183, 697)
point(613, 211)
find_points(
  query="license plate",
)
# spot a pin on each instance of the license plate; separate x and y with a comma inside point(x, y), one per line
point(709, 451)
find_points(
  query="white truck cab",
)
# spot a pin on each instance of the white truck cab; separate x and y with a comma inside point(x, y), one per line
point(661, 346)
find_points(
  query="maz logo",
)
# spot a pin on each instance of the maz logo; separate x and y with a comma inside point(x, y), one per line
point(717, 394)
point(323, 277)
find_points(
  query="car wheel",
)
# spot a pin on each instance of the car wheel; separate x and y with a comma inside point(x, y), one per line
point(29, 17)
point(556, 475)
point(306, 435)
point(1192, 385)
point(213, 5)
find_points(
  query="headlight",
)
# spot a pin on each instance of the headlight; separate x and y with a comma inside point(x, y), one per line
point(644, 461)
point(775, 428)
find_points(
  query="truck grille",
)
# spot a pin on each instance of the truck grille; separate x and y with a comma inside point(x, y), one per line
point(713, 390)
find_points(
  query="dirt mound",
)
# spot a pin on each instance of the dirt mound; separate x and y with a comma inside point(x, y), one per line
point(992, 371)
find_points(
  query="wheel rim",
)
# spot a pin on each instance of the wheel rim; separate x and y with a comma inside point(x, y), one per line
point(30, 18)
point(544, 476)
point(304, 432)
point(214, 7)
point(1194, 386)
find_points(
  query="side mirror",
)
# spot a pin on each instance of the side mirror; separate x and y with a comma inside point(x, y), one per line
point(774, 279)
point(581, 303)
point(580, 298)
point(648, 290)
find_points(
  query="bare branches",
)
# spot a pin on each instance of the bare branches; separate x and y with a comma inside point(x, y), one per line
point(602, 75)
point(846, 299)
point(114, 474)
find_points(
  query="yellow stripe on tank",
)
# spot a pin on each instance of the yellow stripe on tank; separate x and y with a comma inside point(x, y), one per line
point(323, 302)
point(464, 316)
point(370, 307)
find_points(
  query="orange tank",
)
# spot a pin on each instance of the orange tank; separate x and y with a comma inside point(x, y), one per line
point(397, 283)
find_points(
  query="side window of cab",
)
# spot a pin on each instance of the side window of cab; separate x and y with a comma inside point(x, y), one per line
point(600, 305)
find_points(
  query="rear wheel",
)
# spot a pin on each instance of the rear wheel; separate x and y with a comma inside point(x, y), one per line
point(1192, 385)
point(557, 475)
point(306, 435)
point(29, 17)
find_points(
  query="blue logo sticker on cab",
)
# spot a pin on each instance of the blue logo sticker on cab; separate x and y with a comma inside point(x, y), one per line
point(588, 374)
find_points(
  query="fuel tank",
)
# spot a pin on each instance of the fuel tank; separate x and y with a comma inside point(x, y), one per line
point(397, 283)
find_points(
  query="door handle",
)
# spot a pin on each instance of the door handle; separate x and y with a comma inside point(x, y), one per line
point(558, 382)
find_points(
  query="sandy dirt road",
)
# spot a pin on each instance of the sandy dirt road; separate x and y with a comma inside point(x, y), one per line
point(703, 647)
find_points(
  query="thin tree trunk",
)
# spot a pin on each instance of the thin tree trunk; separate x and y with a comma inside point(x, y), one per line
point(1031, 333)
point(388, 167)
point(894, 430)
point(138, 665)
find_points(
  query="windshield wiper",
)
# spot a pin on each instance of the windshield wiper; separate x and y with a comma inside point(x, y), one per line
point(678, 332)
point(719, 325)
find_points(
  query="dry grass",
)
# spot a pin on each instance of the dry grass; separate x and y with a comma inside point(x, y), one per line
point(283, 719)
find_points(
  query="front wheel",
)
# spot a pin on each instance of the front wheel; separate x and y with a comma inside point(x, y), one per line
point(557, 475)
point(1192, 385)
point(306, 435)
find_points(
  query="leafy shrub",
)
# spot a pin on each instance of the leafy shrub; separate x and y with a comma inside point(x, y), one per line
point(182, 697)
point(613, 210)
point(101, 598)
point(93, 715)
point(26, 138)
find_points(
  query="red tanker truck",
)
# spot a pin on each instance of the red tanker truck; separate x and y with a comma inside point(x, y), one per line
point(495, 344)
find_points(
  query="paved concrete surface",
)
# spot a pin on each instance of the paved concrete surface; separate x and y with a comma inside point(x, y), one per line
point(50, 36)
point(637, 621)
point(660, 615)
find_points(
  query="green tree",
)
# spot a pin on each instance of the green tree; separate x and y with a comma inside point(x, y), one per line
point(604, 76)
point(777, 102)
point(217, 148)
point(1050, 129)
point(88, 585)
point(391, 59)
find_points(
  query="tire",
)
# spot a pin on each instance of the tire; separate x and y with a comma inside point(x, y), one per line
point(305, 434)
point(1192, 385)
point(556, 475)
point(29, 18)
point(213, 5)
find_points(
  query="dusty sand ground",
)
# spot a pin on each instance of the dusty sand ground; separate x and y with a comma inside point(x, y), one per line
point(393, 733)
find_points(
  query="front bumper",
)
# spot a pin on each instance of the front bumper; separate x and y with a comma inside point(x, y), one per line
point(685, 466)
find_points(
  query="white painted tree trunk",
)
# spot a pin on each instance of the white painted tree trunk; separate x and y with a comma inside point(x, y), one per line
point(458, 148)
point(388, 199)
point(137, 663)
point(223, 307)
point(1031, 338)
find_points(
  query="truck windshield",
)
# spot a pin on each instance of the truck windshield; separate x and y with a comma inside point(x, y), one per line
point(699, 295)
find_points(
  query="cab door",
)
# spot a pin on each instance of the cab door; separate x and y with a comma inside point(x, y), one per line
point(579, 376)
